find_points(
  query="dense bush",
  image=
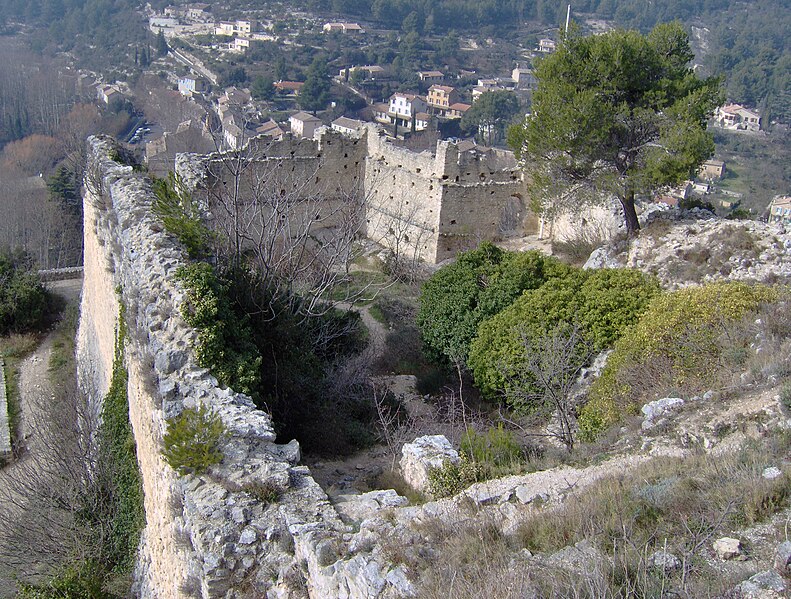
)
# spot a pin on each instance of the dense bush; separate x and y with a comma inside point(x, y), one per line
point(675, 346)
point(602, 303)
point(481, 283)
point(451, 479)
point(225, 343)
point(192, 441)
point(81, 581)
point(494, 450)
point(261, 345)
point(181, 214)
point(24, 303)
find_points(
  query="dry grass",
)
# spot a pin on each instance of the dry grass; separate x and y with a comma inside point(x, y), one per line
point(677, 505)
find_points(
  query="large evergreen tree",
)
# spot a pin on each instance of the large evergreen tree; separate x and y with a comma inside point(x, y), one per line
point(617, 114)
point(315, 94)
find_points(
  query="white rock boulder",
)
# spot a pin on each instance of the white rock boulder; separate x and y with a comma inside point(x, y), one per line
point(423, 455)
point(727, 548)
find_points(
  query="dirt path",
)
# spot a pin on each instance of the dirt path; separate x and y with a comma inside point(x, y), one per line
point(376, 330)
point(36, 393)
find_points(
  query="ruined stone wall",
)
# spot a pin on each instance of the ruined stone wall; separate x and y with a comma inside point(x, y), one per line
point(420, 204)
point(206, 536)
point(403, 195)
point(5, 428)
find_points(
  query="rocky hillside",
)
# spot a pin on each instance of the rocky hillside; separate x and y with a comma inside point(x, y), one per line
point(691, 247)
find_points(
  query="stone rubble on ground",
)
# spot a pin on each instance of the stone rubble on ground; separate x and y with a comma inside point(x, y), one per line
point(727, 548)
point(782, 559)
point(664, 561)
point(356, 508)
point(764, 585)
point(422, 456)
point(771, 473)
point(661, 407)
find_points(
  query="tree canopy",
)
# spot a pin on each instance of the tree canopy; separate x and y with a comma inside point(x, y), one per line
point(616, 114)
point(602, 304)
point(491, 114)
point(315, 94)
point(23, 299)
point(481, 283)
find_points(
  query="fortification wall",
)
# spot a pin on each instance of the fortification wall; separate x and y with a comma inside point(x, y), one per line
point(206, 536)
point(419, 204)
point(403, 195)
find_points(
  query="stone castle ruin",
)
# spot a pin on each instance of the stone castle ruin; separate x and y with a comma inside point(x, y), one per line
point(427, 205)
point(208, 536)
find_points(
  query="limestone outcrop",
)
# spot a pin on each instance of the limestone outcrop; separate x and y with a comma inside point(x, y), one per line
point(691, 247)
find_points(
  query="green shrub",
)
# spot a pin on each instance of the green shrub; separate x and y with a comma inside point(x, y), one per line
point(265, 492)
point(124, 510)
point(481, 283)
point(24, 303)
point(451, 479)
point(496, 448)
point(225, 343)
point(181, 214)
point(263, 345)
point(602, 303)
point(193, 440)
point(674, 346)
point(785, 396)
point(81, 581)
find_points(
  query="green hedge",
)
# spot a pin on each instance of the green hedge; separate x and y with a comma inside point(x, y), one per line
point(602, 303)
point(481, 283)
point(673, 346)
point(24, 303)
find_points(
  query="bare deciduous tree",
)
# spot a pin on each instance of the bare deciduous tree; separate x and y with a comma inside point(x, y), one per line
point(48, 494)
point(296, 230)
point(548, 375)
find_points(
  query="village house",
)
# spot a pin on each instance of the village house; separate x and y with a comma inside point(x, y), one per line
point(422, 121)
point(712, 169)
point(780, 210)
point(230, 28)
point(546, 45)
point(288, 88)
point(403, 106)
point(239, 44)
point(270, 129)
point(456, 111)
point(235, 130)
point(233, 97)
point(108, 93)
point(737, 117)
point(524, 78)
point(347, 126)
point(673, 195)
point(191, 85)
point(492, 85)
point(431, 76)
point(381, 113)
point(369, 72)
point(304, 124)
point(352, 28)
point(440, 98)
point(192, 12)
